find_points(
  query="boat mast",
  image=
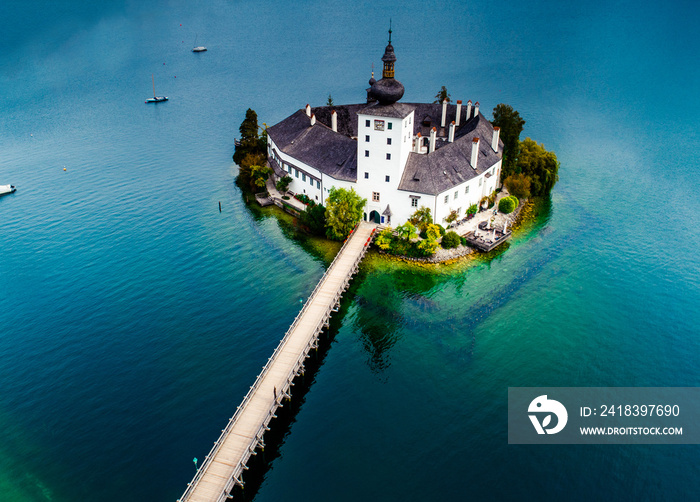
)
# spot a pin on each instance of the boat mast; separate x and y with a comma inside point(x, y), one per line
point(154, 85)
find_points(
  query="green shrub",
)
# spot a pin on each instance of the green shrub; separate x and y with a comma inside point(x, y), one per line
point(427, 247)
point(472, 209)
point(450, 240)
point(383, 240)
point(508, 204)
point(442, 229)
point(314, 218)
point(463, 241)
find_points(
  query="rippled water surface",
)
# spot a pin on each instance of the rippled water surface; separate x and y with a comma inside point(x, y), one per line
point(134, 315)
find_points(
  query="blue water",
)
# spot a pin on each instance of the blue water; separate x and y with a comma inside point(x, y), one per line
point(134, 315)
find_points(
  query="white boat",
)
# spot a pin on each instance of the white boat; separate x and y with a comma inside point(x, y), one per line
point(201, 48)
point(7, 189)
point(155, 99)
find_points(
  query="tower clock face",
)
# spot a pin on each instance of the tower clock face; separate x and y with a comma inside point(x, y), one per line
point(378, 125)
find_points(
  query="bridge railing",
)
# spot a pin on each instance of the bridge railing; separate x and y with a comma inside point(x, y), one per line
point(261, 376)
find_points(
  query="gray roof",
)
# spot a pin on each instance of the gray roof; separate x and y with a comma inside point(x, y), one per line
point(449, 165)
point(398, 110)
point(335, 153)
point(318, 146)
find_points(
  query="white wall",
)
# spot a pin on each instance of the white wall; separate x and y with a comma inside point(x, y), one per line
point(305, 179)
point(479, 187)
point(374, 168)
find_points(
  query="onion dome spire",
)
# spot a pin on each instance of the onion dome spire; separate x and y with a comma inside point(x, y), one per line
point(387, 90)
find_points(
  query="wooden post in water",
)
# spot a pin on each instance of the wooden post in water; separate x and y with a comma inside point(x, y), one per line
point(219, 206)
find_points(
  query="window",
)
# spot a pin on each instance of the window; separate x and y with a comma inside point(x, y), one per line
point(479, 181)
point(388, 125)
point(289, 168)
point(366, 153)
point(318, 184)
point(447, 199)
point(303, 176)
point(367, 138)
point(456, 194)
point(366, 176)
point(366, 123)
point(466, 189)
point(296, 173)
point(375, 196)
point(378, 125)
point(414, 202)
point(311, 181)
point(388, 156)
point(388, 141)
point(387, 179)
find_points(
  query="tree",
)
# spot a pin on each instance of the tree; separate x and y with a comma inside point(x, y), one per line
point(429, 245)
point(343, 211)
point(259, 175)
point(283, 185)
point(244, 178)
point(539, 165)
point(511, 126)
point(442, 95)
point(452, 216)
point(314, 218)
point(421, 218)
point(330, 100)
point(250, 141)
point(518, 185)
point(406, 231)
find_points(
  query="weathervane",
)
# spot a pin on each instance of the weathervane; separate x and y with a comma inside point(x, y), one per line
point(389, 30)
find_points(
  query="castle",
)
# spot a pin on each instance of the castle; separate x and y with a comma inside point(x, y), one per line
point(399, 156)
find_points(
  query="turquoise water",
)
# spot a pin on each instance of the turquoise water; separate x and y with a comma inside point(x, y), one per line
point(134, 315)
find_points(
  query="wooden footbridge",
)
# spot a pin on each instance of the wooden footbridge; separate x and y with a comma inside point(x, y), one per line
point(223, 467)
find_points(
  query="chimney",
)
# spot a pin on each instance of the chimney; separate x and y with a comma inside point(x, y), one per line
point(313, 119)
point(469, 109)
point(496, 135)
point(334, 121)
point(419, 136)
point(476, 109)
point(459, 112)
point(451, 137)
point(444, 113)
point(308, 110)
point(433, 132)
point(475, 152)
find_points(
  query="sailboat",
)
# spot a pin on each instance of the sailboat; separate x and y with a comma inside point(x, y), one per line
point(201, 48)
point(155, 99)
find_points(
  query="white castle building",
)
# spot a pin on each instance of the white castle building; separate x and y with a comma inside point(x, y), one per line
point(399, 156)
